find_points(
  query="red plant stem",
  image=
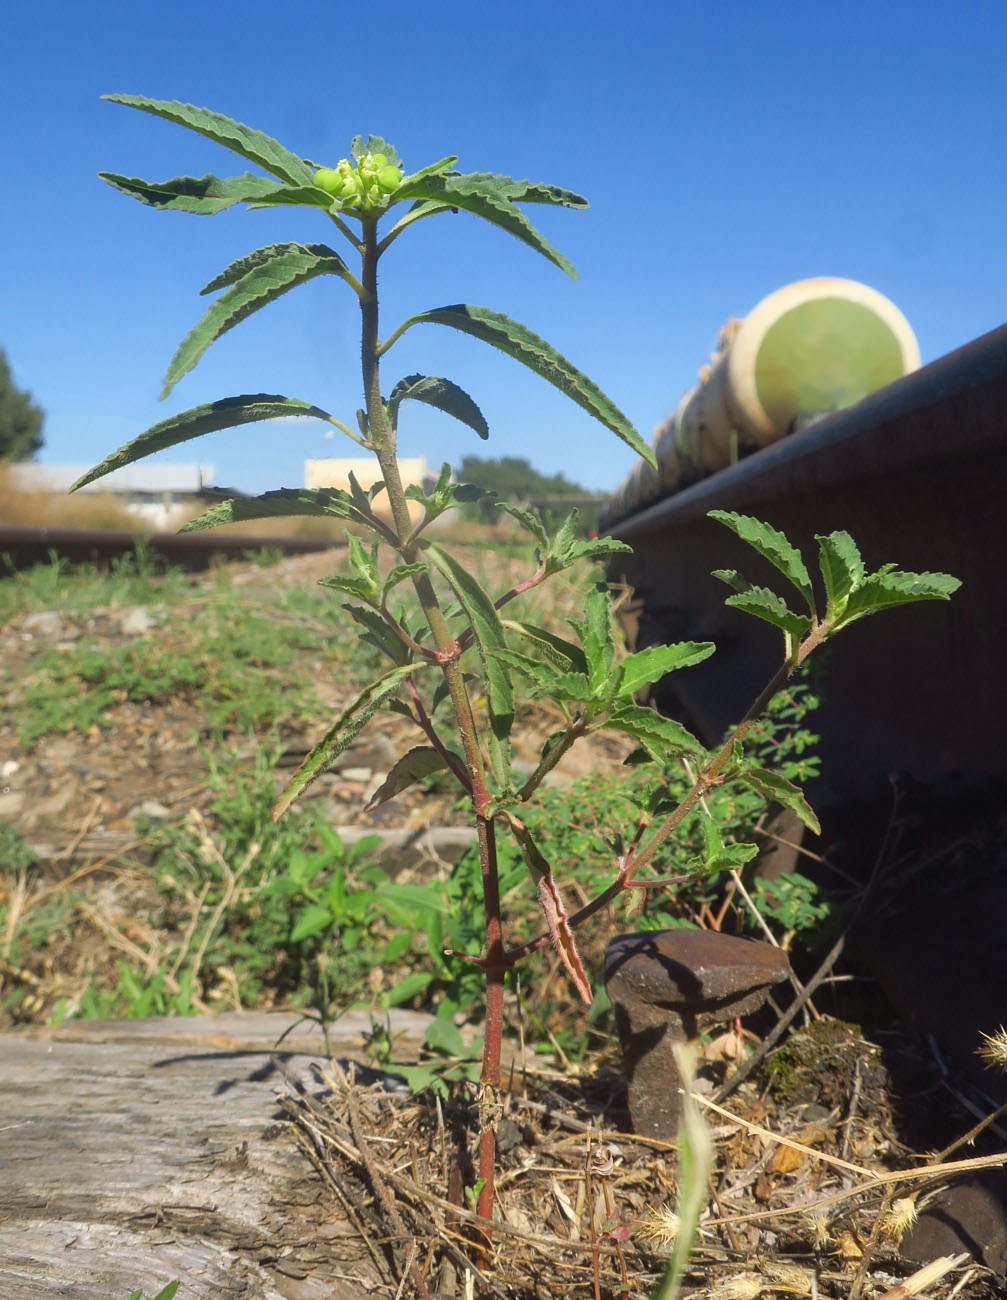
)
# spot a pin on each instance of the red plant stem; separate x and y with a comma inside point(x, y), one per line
point(423, 718)
point(704, 782)
point(465, 640)
point(423, 651)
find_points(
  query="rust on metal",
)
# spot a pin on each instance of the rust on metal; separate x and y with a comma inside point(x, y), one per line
point(667, 987)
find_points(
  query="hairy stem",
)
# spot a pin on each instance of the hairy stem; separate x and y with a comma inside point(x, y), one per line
point(449, 654)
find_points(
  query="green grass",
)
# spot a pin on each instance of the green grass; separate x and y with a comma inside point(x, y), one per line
point(239, 911)
point(248, 658)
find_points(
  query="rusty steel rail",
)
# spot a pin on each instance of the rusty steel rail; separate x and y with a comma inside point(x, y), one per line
point(22, 547)
point(917, 473)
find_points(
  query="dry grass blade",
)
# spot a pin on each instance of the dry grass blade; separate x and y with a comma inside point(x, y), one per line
point(925, 1277)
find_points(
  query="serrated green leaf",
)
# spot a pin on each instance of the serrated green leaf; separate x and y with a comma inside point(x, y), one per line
point(281, 503)
point(592, 547)
point(574, 687)
point(357, 588)
point(724, 857)
point(777, 789)
point(532, 191)
point(378, 634)
point(258, 148)
point(360, 147)
point(528, 520)
point(226, 413)
point(488, 634)
point(773, 546)
point(444, 498)
point(442, 394)
point(767, 605)
point(884, 590)
point(541, 674)
point(361, 498)
point(735, 580)
point(399, 574)
point(498, 748)
point(294, 196)
point(487, 197)
point(658, 734)
point(343, 731)
point(200, 195)
point(523, 345)
point(563, 543)
point(485, 623)
point(432, 169)
point(239, 268)
point(289, 266)
point(410, 768)
point(841, 566)
point(365, 565)
point(599, 648)
point(564, 654)
point(650, 665)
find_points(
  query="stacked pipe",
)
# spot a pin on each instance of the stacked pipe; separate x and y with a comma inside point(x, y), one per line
point(807, 350)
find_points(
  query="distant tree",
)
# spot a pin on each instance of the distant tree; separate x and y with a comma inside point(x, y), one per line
point(20, 419)
point(513, 479)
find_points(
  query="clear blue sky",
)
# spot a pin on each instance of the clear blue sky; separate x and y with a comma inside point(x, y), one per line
point(725, 149)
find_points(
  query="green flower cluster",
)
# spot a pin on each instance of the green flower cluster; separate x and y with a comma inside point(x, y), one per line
point(365, 185)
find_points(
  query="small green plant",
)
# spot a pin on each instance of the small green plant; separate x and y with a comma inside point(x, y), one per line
point(166, 1293)
point(457, 658)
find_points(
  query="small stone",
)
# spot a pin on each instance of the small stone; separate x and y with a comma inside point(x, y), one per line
point(137, 621)
point(358, 774)
point(11, 803)
point(9, 768)
point(44, 623)
point(509, 1136)
point(151, 809)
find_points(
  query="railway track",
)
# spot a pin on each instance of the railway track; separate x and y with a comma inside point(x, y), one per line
point(22, 547)
point(917, 473)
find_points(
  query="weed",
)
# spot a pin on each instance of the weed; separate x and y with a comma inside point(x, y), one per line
point(452, 646)
point(166, 1293)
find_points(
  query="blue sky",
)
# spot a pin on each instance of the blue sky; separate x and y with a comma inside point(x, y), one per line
point(725, 150)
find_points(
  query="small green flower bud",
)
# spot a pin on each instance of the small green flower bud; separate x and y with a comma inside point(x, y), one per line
point(328, 180)
point(378, 159)
point(389, 178)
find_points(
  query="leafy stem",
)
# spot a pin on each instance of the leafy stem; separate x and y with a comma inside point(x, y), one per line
point(546, 764)
point(430, 731)
point(705, 780)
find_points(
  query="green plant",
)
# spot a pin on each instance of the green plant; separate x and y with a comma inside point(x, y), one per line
point(166, 1293)
point(455, 650)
